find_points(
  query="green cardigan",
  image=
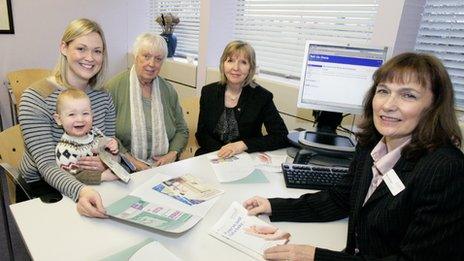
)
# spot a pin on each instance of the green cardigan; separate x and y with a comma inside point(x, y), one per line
point(176, 128)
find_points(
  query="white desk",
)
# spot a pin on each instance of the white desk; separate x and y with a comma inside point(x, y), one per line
point(57, 232)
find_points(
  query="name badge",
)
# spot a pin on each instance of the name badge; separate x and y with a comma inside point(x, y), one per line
point(394, 184)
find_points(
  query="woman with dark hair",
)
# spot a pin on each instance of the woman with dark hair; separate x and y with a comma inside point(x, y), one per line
point(233, 110)
point(403, 193)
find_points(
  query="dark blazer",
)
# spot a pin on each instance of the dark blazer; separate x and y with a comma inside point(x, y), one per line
point(423, 222)
point(255, 108)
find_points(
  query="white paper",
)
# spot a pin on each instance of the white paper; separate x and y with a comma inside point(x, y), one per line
point(154, 251)
point(231, 229)
point(147, 192)
point(231, 169)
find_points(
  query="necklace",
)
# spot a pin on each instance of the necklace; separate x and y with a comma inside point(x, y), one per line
point(231, 97)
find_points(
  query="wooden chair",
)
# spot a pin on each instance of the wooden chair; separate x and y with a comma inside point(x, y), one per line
point(22, 79)
point(11, 152)
point(191, 109)
point(11, 146)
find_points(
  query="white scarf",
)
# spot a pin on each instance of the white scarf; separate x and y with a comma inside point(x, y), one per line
point(160, 142)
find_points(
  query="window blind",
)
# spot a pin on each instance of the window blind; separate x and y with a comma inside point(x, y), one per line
point(278, 29)
point(442, 34)
point(188, 30)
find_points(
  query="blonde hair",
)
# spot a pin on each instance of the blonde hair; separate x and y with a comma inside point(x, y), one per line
point(150, 41)
point(239, 47)
point(71, 93)
point(74, 30)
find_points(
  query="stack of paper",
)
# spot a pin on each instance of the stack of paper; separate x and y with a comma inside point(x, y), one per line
point(180, 203)
point(187, 189)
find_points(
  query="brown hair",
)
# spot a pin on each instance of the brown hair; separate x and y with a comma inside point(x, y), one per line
point(74, 30)
point(71, 93)
point(233, 48)
point(438, 124)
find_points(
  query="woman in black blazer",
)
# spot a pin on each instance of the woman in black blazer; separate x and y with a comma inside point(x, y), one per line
point(410, 133)
point(233, 110)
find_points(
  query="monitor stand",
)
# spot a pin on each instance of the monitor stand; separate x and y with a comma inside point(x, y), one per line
point(308, 156)
point(305, 155)
point(327, 121)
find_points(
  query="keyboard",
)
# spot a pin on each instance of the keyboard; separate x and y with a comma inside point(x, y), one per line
point(312, 176)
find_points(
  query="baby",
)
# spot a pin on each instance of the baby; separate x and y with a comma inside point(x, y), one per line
point(80, 139)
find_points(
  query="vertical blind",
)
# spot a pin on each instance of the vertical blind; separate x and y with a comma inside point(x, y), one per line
point(188, 30)
point(278, 29)
point(442, 33)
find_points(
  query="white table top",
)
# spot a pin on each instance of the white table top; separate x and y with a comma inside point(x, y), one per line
point(57, 232)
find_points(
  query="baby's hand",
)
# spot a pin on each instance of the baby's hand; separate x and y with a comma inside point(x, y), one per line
point(112, 146)
point(107, 175)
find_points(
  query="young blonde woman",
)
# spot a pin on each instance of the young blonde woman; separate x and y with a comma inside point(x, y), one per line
point(83, 58)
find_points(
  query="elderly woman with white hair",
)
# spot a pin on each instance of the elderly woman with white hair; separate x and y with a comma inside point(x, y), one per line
point(149, 119)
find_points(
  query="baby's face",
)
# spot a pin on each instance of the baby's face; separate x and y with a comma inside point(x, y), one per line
point(76, 117)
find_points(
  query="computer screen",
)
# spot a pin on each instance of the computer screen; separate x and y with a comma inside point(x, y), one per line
point(335, 77)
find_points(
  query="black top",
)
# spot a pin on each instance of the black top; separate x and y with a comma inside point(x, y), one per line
point(254, 108)
point(227, 127)
point(425, 221)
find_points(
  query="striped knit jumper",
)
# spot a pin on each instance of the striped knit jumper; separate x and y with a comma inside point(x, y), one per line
point(41, 133)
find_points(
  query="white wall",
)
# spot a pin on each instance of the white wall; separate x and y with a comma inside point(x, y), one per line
point(216, 30)
point(396, 27)
point(397, 24)
point(40, 24)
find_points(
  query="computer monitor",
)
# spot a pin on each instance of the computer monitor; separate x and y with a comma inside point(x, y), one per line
point(335, 77)
point(334, 80)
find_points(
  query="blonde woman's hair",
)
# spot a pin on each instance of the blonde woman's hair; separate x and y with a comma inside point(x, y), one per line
point(71, 93)
point(239, 47)
point(152, 42)
point(74, 30)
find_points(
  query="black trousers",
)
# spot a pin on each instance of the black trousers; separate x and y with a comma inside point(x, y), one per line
point(38, 189)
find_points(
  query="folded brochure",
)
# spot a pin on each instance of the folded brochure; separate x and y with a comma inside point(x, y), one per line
point(133, 209)
point(187, 189)
point(233, 229)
